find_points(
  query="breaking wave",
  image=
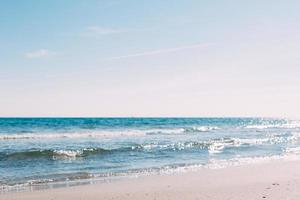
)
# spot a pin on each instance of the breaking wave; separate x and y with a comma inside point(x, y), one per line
point(101, 134)
point(291, 125)
point(212, 146)
point(49, 153)
point(70, 135)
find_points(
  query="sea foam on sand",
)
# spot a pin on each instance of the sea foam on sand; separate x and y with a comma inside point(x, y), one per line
point(276, 180)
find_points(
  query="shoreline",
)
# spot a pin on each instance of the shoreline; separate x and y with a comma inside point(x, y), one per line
point(141, 173)
point(277, 179)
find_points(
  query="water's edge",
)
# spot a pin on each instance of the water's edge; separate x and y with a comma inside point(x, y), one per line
point(37, 153)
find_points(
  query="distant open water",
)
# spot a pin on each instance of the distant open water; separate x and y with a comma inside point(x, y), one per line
point(36, 152)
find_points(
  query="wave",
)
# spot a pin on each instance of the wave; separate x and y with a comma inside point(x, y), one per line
point(44, 180)
point(70, 135)
point(292, 151)
point(292, 125)
point(178, 131)
point(82, 153)
point(201, 129)
point(49, 153)
point(212, 146)
point(101, 134)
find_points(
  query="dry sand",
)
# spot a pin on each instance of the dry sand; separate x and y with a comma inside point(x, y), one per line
point(274, 180)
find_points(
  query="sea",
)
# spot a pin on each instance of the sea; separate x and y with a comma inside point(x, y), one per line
point(40, 153)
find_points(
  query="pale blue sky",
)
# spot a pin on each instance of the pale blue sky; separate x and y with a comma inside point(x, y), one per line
point(150, 58)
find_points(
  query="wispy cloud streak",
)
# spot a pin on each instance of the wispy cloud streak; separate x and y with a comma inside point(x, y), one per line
point(96, 30)
point(41, 53)
point(163, 51)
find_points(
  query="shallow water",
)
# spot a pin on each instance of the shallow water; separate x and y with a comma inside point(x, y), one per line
point(35, 151)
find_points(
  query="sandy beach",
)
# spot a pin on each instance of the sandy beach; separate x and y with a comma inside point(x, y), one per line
point(273, 180)
point(149, 100)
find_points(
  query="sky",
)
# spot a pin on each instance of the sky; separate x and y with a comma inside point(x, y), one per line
point(140, 58)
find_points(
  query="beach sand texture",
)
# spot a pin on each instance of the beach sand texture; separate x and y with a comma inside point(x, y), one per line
point(276, 180)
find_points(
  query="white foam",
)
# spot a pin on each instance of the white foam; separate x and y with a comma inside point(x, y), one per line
point(289, 125)
point(182, 130)
point(202, 128)
point(71, 135)
point(295, 136)
point(207, 128)
point(292, 151)
point(165, 131)
point(252, 141)
point(222, 163)
point(112, 133)
point(67, 153)
point(216, 147)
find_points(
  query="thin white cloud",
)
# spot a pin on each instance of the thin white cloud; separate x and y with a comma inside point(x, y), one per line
point(41, 53)
point(96, 30)
point(163, 51)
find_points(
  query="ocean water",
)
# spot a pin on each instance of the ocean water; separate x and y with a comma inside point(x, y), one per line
point(38, 152)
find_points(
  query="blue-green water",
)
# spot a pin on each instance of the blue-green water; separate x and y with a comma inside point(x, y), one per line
point(35, 151)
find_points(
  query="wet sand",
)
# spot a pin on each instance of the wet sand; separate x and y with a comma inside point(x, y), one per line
point(276, 180)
